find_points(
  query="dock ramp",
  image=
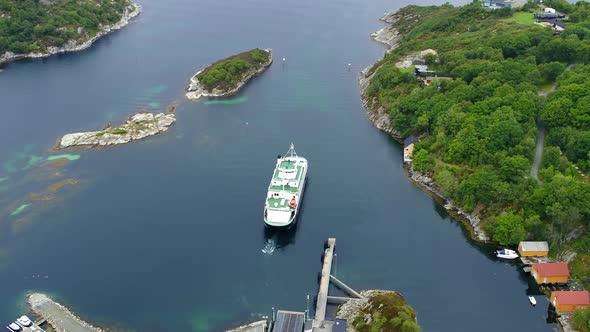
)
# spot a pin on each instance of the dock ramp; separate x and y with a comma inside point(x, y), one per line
point(289, 321)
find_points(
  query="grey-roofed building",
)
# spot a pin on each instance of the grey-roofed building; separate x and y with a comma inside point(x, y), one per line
point(533, 248)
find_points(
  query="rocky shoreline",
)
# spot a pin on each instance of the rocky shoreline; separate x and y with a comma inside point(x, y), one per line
point(351, 309)
point(58, 316)
point(131, 12)
point(137, 126)
point(195, 90)
point(379, 117)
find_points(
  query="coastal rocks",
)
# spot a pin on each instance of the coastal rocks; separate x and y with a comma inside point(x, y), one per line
point(58, 316)
point(373, 304)
point(137, 126)
point(196, 90)
point(429, 184)
point(73, 45)
point(378, 117)
point(388, 36)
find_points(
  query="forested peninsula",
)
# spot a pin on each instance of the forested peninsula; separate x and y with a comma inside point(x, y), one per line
point(489, 83)
point(40, 28)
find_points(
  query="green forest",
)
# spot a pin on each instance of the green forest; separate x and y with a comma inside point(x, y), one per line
point(33, 25)
point(226, 74)
point(477, 132)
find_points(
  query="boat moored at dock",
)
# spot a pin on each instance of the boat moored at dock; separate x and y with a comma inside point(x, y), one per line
point(285, 191)
point(506, 254)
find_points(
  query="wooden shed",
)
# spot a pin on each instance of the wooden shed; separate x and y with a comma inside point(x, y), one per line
point(550, 273)
point(569, 301)
point(533, 248)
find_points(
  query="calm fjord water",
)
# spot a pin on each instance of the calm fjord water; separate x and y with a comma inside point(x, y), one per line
point(167, 233)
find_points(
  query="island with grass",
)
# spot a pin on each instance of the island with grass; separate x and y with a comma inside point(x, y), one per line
point(379, 310)
point(36, 29)
point(226, 77)
point(137, 126)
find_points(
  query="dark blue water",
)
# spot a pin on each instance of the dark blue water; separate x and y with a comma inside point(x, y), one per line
point(167, 233)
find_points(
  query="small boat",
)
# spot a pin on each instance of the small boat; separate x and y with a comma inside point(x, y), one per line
point(14, 327)
point(24, 321)
point(506, 254)
point(285, 191)
point(532, 300)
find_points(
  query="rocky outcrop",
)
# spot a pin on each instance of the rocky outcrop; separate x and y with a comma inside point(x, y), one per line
point(379, 116)
point(372, 304)
point(196, 90)
point(74, 45)
point(472, 218)
point(137, 126)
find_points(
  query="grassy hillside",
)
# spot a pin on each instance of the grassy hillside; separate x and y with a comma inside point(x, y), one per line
point(33, 25)
point(478, 131)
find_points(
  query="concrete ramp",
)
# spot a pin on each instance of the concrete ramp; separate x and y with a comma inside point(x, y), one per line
point(58, 316)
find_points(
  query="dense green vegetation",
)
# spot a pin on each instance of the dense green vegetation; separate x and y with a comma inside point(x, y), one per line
point(114, 131)
point(478, 131)
point(33, 25)
point(389, 312)
point(226, 74)
point(581, 321)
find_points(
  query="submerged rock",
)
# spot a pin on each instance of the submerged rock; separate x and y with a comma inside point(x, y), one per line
point(137, 126)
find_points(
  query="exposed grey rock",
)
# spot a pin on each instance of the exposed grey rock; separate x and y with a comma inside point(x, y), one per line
point(137, 126)
point(73, 45)
point(195, 90)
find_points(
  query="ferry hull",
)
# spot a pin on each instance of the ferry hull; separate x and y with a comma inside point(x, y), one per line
point(295, 217)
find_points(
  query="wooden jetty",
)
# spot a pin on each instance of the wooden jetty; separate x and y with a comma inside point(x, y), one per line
point(319, 322)
point(295, 321)
point(322, 302)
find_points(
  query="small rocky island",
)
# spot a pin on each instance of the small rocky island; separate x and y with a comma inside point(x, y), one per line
point(379, 310)
point(139, 125)
point(226, 77)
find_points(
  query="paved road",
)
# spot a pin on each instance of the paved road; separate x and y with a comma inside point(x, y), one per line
point(541, 127)
point(539, 150)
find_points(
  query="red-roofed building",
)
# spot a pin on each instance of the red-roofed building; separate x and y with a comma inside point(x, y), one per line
point(550, 273)
point(568, 301)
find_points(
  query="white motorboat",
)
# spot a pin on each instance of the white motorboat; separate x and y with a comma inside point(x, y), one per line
point(24, 321)
point(506, 254)
point(14, 327)
point(532, 300)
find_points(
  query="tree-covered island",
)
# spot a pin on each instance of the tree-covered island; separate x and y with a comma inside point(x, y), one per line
point(489, 82)
point(227, 76)
point(38, 28)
